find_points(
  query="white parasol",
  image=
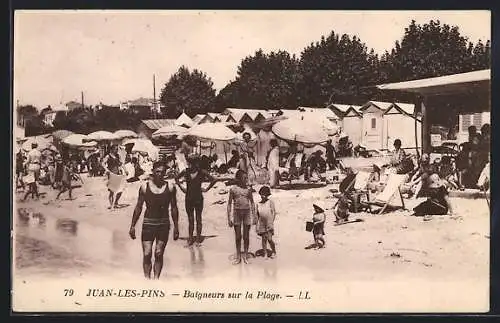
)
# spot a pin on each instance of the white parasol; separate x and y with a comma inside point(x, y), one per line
point(211, 131)
point(144, 146)
point(77, 140)
point(121, 134)
point(102, 136)
point(42, 143)
point(169, 131)
point(304, 129)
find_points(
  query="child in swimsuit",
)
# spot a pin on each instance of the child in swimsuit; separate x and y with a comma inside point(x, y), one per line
point(266, 213)
point(242, 214)
point(319, 226)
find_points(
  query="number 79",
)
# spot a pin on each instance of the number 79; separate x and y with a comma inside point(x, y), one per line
point(68, 292)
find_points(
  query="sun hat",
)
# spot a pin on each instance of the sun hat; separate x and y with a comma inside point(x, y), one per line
point(320, 205)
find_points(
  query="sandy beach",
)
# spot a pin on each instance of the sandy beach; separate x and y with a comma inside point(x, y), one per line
point(384, 249)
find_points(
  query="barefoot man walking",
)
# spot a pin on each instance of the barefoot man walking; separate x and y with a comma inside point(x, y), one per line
point(158, 196)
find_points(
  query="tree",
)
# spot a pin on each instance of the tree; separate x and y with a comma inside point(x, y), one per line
point(263, 81)
point(191, 92)
point(432, 50)
point(34, 126)
point(61, 121)
point(228, 97)
point(336, 69)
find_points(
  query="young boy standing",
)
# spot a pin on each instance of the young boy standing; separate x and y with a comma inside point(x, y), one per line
point(266, 214)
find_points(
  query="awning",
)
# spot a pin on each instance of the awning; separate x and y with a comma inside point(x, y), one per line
point(448, 84)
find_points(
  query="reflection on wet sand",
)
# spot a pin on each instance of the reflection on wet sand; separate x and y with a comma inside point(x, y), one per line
point(67, 226)
point(197, 263)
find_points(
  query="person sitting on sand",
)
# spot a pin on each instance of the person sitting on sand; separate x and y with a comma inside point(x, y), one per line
point(318, 230)
point(233, 162)
point(266, 214)
point(241, 214)
point(341, 211)
point(448, 172)
point(438, 202)
point(316, 165)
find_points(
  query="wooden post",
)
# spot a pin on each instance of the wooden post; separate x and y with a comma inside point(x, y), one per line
point(426, 136)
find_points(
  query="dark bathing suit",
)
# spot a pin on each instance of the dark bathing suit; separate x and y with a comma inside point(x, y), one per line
point(156, 224)
point(194, 196)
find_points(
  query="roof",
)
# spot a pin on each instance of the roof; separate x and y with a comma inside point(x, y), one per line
point(341, 107)
point(237, 114)
point(213, 115)
point(73, 105)
point(325, 112)
point(381, 105)
point(184, 119)
point(140, 102)
point(356, 109)
point(155, 124)
point(200, 117)
point(59, 108)
point(407, 108)
point(454, 83)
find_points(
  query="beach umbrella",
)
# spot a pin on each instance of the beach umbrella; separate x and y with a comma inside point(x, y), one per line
point(101, 136)
point(212, 131)
point(302, 130)
point(125, 134)
point(77, 140)
point(61, 134)
point(169, 131)
point(145, 146)
point(42, 142)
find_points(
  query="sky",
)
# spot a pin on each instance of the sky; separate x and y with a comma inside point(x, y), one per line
point(112, 55)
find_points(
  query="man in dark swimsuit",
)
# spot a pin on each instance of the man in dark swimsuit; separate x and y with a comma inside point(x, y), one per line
point(194, 176)
point(158, 196)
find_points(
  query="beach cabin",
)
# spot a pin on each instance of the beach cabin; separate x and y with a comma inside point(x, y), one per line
point(339, 109)
point(373, 124)
point(184, 121)
point(352, 124)
point(147, 127)
point(215, 116)
point(399, 123)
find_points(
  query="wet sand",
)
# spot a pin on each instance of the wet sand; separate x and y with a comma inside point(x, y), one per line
point(391, 248)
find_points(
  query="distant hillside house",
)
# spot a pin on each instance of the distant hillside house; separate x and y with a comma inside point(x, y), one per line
point(73, 105)
point(147, 127)
point(49, 114)
point(138, 106)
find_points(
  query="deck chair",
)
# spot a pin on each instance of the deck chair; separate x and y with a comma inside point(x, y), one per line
point(361, 190)
point(390, 193)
